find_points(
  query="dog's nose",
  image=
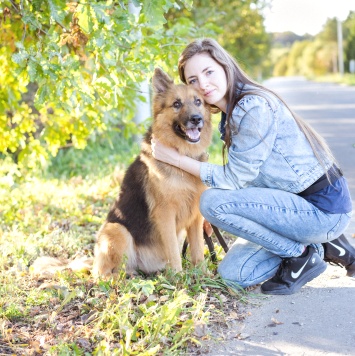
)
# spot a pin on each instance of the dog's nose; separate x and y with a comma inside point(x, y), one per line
point(196, 119)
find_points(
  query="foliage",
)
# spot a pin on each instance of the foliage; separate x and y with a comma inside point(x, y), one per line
point(349, 30)
point(59, 213)
point(347, 79)
point(70, 70)
point(316, 56)
point(236, 24)
point(295, 60)
point(287, 39)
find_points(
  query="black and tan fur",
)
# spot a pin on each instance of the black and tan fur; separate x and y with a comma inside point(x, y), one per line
point(157, 201)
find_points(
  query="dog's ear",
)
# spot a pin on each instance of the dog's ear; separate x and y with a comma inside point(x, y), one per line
point(161, 81)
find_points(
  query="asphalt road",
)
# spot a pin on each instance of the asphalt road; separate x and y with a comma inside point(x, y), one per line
point(319, 320)
point(330, 109)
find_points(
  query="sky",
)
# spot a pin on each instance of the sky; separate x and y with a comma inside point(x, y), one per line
point(305, 16)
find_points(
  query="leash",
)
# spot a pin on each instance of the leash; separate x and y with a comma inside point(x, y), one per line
point(220, 238)
point(209, 243)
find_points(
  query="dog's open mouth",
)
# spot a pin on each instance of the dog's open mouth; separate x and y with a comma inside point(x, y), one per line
point(189, 134)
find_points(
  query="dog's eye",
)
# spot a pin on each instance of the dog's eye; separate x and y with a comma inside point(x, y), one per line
point(177, 104)
point(198, 102)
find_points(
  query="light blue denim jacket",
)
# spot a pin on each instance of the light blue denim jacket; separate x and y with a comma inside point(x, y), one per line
point(268, 149)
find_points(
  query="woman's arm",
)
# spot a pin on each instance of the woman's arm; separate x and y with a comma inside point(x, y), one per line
point(172, 156)
point(251, 146)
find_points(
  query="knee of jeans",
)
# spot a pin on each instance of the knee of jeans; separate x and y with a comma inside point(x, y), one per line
point(206, 203)
point(236, 273)
point(246, 265)
point(234, 278)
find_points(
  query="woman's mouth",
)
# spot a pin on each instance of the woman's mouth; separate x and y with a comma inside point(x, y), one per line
point(209, 93)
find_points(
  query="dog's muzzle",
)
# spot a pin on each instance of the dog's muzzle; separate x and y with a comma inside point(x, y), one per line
point(191, 131)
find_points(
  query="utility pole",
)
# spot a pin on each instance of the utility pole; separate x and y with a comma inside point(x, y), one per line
point(340, 47)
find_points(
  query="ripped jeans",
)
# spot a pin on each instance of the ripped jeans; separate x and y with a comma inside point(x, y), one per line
point(272, 224)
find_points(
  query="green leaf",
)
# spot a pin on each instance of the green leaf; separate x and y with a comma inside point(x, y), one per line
point(32, 70)
point(30, 19)
point(56, 10)
point(42, 94)
point(20, 58)
point(85, 18)
point(37, 4)
point(154, 12)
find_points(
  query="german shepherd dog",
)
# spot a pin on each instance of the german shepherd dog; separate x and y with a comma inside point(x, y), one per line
point(157, 201)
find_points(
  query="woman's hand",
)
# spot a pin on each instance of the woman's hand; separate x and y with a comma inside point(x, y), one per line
point(172, 156)
point(207, 227)
point(165, 154)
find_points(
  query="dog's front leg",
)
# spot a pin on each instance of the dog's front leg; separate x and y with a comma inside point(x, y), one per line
point(195, 239)
point(166, 227)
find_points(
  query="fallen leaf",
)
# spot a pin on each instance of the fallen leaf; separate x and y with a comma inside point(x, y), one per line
point(49, 285)
point(275, 321)
point(35, 346)
point(233, 315)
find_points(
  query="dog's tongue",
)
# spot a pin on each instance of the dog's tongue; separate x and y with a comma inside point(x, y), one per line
point(194, 134)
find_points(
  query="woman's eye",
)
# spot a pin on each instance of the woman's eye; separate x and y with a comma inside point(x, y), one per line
point(177, 105)
point(209, 72)
point(192, 81)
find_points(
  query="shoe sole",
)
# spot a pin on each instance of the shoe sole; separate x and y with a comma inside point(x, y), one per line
point(351, 270)
point(296, 286)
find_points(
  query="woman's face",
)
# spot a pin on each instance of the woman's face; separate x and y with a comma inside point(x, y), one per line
point(208, 78)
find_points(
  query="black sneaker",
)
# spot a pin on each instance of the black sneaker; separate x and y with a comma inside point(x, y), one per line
point(340, 252)
point(294, 273)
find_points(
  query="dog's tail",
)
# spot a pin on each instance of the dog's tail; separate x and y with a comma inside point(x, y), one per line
point(46, 266)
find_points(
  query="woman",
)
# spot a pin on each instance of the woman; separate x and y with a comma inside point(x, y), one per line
point(279, 189)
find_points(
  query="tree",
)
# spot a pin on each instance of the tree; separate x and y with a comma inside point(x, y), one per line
point(295, 62)
point(349, 35)
point(236, 24)
point(314, 56)
point(329, 31)
point(70, 70)
point(286, 39)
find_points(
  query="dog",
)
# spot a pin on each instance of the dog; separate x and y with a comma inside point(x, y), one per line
point(158, 202)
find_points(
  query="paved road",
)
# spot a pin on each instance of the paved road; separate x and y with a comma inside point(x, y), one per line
point(330, 109)
point(320, 319)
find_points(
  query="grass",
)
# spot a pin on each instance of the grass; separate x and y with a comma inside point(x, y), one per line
point(347, 78)
point(57, 212)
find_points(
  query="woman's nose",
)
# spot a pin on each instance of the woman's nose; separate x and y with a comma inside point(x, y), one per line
point(203, 83)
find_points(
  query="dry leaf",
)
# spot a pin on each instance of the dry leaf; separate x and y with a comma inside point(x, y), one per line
point(233, 315)
point(275, 321)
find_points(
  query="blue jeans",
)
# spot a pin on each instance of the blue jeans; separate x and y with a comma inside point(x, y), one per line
point(273, 224)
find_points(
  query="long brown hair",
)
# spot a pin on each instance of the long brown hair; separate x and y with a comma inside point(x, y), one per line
point(236, 80)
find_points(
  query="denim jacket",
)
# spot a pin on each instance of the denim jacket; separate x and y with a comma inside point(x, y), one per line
point(268, 149)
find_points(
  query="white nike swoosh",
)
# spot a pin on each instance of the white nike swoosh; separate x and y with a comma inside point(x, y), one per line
point(295, 275)
point(340, 249)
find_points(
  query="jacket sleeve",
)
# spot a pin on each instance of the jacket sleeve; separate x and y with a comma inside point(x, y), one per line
point(253, 130)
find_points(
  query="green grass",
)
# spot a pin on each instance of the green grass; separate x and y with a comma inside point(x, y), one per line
point(347, 78)
point(57, 212)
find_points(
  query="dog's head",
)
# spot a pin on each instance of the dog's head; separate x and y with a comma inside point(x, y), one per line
point(180, 115)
